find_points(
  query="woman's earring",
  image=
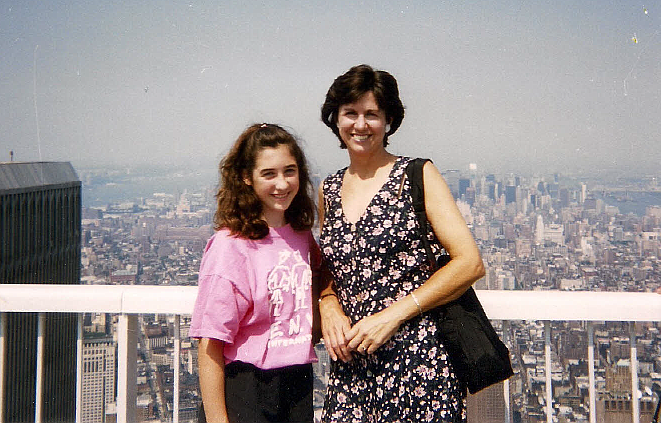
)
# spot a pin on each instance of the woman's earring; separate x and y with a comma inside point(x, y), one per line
point(387, 128)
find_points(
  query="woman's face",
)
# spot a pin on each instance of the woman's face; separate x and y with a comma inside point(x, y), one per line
point(362, 125)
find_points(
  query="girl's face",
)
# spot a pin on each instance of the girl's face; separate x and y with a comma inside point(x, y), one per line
point(275, 181)
point(362, 125)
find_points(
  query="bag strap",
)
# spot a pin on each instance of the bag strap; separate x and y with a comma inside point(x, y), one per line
point(414, 173)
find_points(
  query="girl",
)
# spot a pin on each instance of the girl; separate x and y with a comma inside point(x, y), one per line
point(254, 308)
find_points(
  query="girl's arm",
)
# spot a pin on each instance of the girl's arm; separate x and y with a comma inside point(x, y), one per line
point(334, 323)
point(447, 284)
point(211, 363)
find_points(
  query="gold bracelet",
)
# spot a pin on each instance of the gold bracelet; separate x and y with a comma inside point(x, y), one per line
point(332, 294)
point(417, 303)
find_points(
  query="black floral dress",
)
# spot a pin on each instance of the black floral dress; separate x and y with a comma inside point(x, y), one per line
point(375, 262)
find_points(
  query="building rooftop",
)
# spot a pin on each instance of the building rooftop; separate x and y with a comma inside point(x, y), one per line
point(21, 176)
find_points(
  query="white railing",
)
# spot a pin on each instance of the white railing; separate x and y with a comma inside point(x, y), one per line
point(130, 301)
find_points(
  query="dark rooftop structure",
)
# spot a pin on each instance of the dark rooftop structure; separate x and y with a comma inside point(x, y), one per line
point(21, 176)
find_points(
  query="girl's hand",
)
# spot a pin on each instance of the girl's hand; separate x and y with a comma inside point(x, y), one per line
point(371, 332)
point(334, 327)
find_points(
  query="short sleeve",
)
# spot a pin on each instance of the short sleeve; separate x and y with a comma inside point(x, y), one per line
point(219, 309)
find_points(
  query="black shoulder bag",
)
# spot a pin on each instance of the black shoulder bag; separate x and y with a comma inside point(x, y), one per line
point(478, 355)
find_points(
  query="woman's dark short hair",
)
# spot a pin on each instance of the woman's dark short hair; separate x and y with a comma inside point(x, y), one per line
point(355, 83)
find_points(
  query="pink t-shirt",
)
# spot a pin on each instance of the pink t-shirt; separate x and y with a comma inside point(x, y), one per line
point(255, 295)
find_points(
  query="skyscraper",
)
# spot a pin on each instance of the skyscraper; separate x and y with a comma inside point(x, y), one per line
point(98, 377)
point(539, 230)
point(464, 184)
point(40, 205)
point(488, 405)
point(510, 194)
point(452, 179)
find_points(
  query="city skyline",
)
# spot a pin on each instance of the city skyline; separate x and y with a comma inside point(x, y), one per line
point(592, 247)
point(509, 85)
point(547, 238)
point(106, 186)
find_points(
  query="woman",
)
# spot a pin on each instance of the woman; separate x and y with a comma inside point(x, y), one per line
point(388, 364)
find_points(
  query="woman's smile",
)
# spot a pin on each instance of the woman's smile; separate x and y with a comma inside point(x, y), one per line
point(362, 124)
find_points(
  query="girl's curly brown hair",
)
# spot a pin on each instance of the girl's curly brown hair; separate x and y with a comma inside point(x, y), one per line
point(239, 209)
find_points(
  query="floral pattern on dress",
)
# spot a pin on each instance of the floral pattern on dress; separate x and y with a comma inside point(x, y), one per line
point(375, 262)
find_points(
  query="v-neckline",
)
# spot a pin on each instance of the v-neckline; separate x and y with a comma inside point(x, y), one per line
point(365, 211)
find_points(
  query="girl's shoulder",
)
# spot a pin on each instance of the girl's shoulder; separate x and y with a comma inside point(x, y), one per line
point(224, 243)
point(225, 254)
point(223, 237)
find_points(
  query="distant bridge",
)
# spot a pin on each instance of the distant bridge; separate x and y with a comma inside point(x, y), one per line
point(124, 209)
point(610, 190)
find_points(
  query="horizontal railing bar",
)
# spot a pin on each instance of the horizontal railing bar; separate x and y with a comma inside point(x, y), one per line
point(571, 305)
point(127, 299)
point(498, 304)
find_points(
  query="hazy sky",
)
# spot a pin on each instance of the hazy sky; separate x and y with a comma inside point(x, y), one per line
point(513, 85)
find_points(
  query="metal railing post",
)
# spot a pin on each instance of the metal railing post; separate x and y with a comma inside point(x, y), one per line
point(177, 365)
point(506, 384)
point(79, 370)
point(549, 384)
point(127, 356)
point(591, 375)
point(39, 379)
point(633, 366)
point(3, 366)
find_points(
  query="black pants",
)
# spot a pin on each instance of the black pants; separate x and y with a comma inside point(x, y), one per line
point(253, 395)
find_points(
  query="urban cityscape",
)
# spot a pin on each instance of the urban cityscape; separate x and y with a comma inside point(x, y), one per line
point(539, 114)
point(543, 233)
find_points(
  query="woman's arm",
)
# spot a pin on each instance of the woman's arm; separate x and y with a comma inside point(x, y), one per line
point(334, 323)
point(446, 284)
point(465, 265)
point(211, 363)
